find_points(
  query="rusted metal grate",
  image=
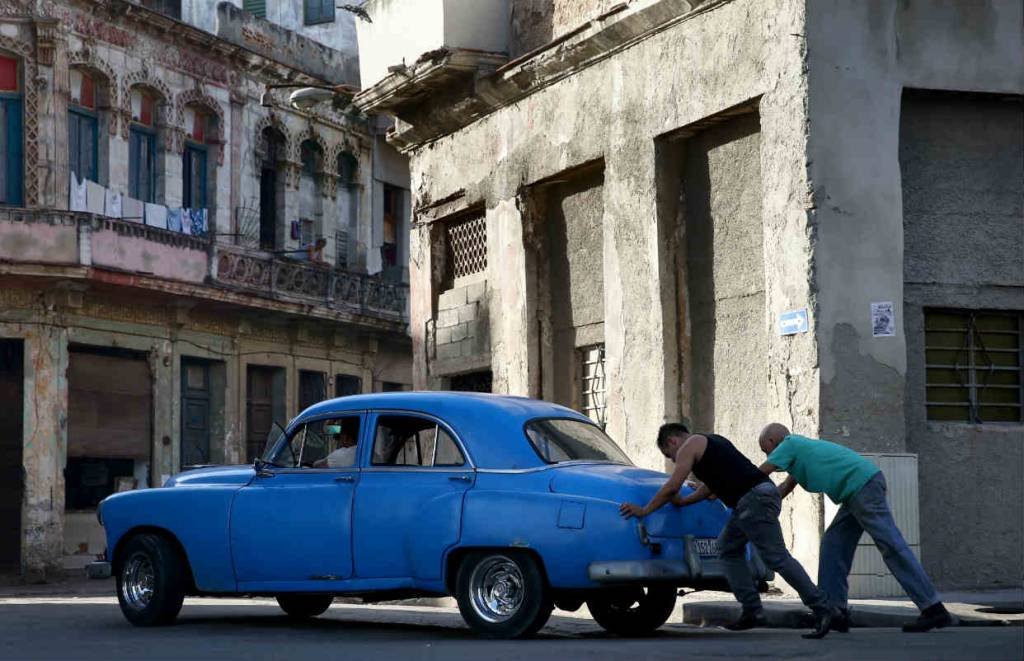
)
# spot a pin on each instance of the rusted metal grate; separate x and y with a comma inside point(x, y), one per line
point(467, 247)
point(974, 366)
point(593, 383)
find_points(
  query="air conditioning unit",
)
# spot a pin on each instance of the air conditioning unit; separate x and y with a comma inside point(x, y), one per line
point(869, 577)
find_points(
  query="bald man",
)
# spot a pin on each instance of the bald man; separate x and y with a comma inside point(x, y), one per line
point(858, 487)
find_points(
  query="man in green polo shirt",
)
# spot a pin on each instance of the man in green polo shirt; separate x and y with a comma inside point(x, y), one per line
point(858, 487)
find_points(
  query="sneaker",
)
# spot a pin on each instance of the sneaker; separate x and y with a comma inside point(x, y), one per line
point(822, 625)
point(841, 621)
point(933, 617)
point(748, 620)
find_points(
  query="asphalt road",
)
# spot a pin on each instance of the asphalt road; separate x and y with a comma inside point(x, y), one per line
point(93, 628)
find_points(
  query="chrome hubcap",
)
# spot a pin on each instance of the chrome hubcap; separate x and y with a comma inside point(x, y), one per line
point(496, 589)
point(137, 581)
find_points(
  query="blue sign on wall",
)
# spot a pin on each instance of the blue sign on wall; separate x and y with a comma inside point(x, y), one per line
point(793, 322)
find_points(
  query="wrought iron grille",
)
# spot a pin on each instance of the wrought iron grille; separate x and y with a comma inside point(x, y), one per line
point(593, 383)
point(467, 248)
point(341, 250)
point(973, 366)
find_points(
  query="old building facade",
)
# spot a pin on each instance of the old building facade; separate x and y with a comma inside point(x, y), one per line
point(185, 257)
point(731, 212)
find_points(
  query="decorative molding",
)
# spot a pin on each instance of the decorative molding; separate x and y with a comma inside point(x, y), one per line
point(197, 97)
point(48, 34)
point(31, 113)
point(85, 58)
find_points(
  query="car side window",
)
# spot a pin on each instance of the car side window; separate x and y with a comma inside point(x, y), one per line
point(329, 443)
point(406, 440)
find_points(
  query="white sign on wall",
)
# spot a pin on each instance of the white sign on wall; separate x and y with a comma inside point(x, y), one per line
point(793, 322)
point(883, 319)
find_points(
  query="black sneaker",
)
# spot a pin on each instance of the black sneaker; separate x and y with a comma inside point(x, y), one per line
point(748, 620)
point(822, 625)
point(841, 621)
point(933, 617)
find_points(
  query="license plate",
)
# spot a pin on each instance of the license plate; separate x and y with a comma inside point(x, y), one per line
point(706, 546)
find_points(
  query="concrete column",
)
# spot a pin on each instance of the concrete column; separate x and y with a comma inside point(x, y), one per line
point(44, 451)
point(421, 306)
point(639, 363)
point(165, 403)
point(513, 325)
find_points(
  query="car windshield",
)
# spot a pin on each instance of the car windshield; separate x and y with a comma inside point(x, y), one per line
point(557, 441)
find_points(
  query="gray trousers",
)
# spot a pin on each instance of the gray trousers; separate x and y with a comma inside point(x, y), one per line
point(756, 519)
point(868, 511)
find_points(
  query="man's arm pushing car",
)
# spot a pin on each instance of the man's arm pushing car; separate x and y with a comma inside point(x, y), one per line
point(686, 455)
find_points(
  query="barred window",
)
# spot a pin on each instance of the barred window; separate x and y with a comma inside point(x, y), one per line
point(593, 383)
point(973, 366)
point(466, 242)
point(341, 250)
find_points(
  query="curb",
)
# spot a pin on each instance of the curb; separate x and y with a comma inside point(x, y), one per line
point(795, 616)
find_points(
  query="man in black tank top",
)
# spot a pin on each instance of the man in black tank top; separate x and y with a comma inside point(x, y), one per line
point(728, 475)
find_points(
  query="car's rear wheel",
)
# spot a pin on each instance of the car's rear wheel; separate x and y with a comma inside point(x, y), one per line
point(633, 611)
point(302, 606)
point(150, 581)
point(503, 594)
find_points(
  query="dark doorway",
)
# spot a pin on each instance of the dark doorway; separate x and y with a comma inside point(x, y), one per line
point(264, 406)
point(346, 384)
point(12, 475)
point(473, 382)
point(196, 412)
point(268, 208)
point(312, 388)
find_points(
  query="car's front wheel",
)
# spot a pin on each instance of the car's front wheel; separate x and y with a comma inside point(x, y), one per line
point(632, 611)
point(150, 581)
point(303, 606)
point(503, 594)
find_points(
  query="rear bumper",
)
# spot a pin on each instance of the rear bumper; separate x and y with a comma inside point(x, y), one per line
point(693, 570)
point(98, 570)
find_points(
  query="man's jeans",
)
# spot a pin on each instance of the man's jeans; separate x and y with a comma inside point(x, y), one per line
point(756, 519)
point(868, 511)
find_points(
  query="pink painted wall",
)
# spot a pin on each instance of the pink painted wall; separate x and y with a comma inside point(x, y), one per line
point(131, 253)
point(38, 243)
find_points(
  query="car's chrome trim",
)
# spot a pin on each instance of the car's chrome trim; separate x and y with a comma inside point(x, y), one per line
point(547, 467)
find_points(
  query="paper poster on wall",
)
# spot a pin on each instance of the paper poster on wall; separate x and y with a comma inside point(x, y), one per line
point(793, 322)
point(883, 319)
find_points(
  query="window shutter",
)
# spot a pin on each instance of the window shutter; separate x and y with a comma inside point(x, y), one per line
point(256, 7)
point(133, 165)
point(74, 146)
point(87, 134)
point(327, 11)
point(3, 152)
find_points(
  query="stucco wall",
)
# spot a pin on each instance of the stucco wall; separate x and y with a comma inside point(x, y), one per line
point(536, 22)
point(962, 168)
point(617, 111)
point(725, 277)
point(861, 58)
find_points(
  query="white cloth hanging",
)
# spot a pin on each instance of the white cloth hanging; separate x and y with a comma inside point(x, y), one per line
point(77, 197)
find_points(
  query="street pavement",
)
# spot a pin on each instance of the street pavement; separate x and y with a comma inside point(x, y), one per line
point(87, 628)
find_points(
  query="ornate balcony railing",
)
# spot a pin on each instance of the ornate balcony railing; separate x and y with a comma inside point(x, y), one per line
point(305, 282)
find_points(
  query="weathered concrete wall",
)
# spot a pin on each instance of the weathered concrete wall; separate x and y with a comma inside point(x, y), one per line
point(861, 56)
point(572, 223)
point(536, 22)
point(462, 331)
point(725, 276)
point(962, 168)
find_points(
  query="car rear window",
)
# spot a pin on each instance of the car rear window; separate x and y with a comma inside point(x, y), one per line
point(558, 440)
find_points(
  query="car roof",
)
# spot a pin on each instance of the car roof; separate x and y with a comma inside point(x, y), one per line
point(491, 426)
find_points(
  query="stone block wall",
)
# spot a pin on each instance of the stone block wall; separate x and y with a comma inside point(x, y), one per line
point(462, 332)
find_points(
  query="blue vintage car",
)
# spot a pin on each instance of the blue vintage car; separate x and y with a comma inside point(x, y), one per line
point(506, 503)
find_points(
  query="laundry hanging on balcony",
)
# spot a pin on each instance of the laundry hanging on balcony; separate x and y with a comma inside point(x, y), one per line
point(112, 207)
point(156, 215)
point(77, 194)
point(95, 198)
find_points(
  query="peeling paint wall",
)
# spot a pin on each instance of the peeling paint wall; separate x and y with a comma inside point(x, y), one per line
point(962, 169)
point(886, 234)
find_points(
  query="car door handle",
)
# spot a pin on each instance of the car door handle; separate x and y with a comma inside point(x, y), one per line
point(347, 479)
point(460, 478)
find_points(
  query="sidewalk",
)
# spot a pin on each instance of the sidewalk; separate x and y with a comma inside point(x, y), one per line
point(983, 608)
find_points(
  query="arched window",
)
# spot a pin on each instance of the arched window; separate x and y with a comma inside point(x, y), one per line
point(198, 187)
point(142, 146)
point(11, 166)
point(83, 127)
point(310, 198)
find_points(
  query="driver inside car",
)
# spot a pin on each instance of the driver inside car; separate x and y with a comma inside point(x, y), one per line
point(344, 438)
